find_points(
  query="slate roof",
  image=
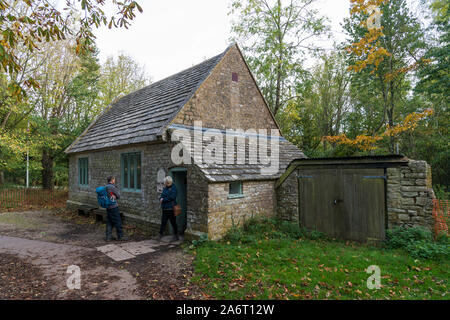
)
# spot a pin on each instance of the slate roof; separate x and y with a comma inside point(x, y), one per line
point(214, 172)
point(143, 115)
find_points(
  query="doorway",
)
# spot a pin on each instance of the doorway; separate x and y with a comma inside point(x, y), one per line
point(179, 176)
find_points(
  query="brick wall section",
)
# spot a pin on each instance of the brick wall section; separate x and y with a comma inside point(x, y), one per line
point(258, 200)
point(410, 195)
point(141, 208)
point(221, 103)
point(287, 199)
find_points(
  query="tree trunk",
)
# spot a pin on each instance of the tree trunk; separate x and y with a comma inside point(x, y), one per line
point(2, 178)
point(277, 93)
point(47, 169)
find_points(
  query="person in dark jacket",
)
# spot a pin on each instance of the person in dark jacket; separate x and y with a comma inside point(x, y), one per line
point(113, 218)
point(168, 199)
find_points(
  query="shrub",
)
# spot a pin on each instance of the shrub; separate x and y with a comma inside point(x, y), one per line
point(401, 237)
point(418, 242)
point(256, 229)
point(441, 192)
point(428, 250)
point(195, 243)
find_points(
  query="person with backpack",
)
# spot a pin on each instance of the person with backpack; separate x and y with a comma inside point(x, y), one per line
point(168, 200)
point(113, 218)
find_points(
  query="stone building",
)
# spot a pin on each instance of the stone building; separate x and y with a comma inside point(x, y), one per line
point(133, 141)
point(176, 127)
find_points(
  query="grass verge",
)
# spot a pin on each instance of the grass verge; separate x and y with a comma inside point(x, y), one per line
point(268, 259)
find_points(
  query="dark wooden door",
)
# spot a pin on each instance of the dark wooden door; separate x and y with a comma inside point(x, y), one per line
point(318, 190)
point(343, 203)
point(179, 176)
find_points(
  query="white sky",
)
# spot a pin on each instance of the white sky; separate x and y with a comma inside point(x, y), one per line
point(172, 35)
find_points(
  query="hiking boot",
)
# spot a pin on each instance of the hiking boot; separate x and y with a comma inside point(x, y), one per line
point(159, 237)
point(175, 238)
point(108, 239)
point(123, 238)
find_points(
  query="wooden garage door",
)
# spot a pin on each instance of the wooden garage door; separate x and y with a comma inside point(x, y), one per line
point(343, 203)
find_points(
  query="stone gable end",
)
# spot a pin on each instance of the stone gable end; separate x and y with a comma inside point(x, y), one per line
point(228, 99)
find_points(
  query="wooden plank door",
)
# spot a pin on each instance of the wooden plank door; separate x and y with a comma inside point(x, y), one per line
point(364, 202)
point(343, 203)
point(317, 190)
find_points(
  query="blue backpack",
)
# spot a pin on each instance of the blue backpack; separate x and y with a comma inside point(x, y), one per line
point(102, 197)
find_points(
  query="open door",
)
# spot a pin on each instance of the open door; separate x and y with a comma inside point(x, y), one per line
point(179, 176)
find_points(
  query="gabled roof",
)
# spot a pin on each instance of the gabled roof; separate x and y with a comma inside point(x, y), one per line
point(286, 153)
point(143, 115)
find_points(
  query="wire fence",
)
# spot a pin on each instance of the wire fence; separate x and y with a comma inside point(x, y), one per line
point(25, 198)
point(441, 215)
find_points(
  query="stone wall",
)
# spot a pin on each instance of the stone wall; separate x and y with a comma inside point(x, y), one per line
point(224, 104)
point(410, 195)
point(142, 208)
point(224, 212)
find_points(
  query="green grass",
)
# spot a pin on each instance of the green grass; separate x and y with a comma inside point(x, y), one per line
point(266, 260)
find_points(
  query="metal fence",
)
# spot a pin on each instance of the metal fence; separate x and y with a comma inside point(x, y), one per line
point(441, 215)
point(24, 198)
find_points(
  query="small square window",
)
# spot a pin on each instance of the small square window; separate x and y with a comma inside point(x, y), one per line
point(234, 77)
point(235, 189)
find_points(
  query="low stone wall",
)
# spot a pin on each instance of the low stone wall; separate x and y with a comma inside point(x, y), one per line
point(410, 195)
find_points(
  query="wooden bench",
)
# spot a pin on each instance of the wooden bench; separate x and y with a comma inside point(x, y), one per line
point(86, 210)
point(98, 213)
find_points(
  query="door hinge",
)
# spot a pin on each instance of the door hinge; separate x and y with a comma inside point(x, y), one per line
point(304, 177)
point(374, 177)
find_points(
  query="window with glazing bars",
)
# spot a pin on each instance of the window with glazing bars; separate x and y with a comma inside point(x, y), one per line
point(83, 171)
point(235, 189)
point(131, 171)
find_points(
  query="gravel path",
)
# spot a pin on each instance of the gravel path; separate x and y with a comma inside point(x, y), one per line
point(100, 281)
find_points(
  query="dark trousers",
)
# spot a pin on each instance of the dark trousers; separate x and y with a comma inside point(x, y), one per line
point(113, 220)
point(168, 215)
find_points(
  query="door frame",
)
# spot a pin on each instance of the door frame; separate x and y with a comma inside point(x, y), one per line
point(184, 213)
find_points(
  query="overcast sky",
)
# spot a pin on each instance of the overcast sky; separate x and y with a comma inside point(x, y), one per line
point(172, 35)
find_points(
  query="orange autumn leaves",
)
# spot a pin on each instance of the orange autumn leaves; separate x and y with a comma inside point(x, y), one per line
point(368, 143)
point(369, 46)
point(369, 49)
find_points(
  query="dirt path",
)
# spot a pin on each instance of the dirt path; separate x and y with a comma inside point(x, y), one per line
point(100, 280)
point(58, 226)
point(46, 243)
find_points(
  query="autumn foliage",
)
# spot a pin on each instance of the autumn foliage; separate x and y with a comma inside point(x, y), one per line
point(367, 142)
point(370, 53)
